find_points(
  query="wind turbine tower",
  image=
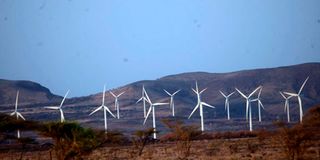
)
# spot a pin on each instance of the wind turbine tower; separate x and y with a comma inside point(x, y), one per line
point(248, 105)
point(260, 105)
point(227, 104)
point(18, 114)
point(171, 99)
point(299, 98)
point(144, 100)
point(105, 109)
point(151, 109)
point(200, 105)
point(286, 105)
point(116, 102)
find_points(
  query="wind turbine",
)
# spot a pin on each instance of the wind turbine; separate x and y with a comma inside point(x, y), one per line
point(226, 104)
point(248, 105)
point(116, 102)
point(151, 108)
point(105, 109)
point(200, 104)
point(259, 104)
point(171, 99)
point(144, 99)
point(59, 107)
point(299, 98)
point(18, 114)
point(286, 105)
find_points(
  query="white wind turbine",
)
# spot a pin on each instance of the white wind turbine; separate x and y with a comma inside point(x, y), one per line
point(248, 105)
point(299, 98)
point(260, 105)
point(227, 104)
point(144, 99)
point(116, 102)
point(171, 99)
point(105, 109)
point(59, 107)
point(151, 108)
point(18, 114)
point(200, 105)
point(286, 105)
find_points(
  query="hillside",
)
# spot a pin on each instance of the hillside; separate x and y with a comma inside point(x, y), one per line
point(30, 93)
point(273, 80)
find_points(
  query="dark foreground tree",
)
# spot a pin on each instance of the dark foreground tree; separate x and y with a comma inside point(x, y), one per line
point(71, 140)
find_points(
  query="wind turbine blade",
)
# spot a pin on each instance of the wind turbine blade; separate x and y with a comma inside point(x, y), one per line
point(52, 107)
point(283, 95)
point(113, 94)
point(159, 104)
point(148, 113)
point(194, 91)
point(253, 100)
point(95, 110)
point(13, 113)
point(148, 99)
point(64, 98)
point(121, 93)
point(109, 111)
point(197, 88)
point(259, 92)
point(20, 115)
point(261, 104)
point(208, 105)
point(139, 100)
point(231, 94)
point(203, 90)
point(244, 96)
point(103, 94)
point(176, 92)
point(304, 83)
point(167, 92)
point(17, 99)
point(223, 94)
point(291, 94)
point(195, 108)
point(254, 91)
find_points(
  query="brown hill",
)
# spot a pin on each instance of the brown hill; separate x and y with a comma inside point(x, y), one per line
point(30, 93)
point(273, 80)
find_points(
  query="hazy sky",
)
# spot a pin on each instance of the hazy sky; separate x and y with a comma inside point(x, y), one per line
point(83, 44)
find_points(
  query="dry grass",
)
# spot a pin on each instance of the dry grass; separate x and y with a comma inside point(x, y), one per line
point(224, 149)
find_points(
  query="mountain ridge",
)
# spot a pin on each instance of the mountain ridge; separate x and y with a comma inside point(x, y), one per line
point(273, 80)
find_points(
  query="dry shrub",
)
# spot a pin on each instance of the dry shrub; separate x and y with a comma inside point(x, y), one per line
point(296, 140)
point(183, 135)
point(139, 140)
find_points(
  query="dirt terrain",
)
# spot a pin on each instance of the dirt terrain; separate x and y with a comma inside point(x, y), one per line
point(241, 148)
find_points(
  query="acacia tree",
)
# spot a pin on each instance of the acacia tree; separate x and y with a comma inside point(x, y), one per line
point(183, 135)
point(297, 139)
point(70, 139)
point(140, 139)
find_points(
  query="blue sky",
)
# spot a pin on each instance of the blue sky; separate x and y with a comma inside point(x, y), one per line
point(81, 45)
